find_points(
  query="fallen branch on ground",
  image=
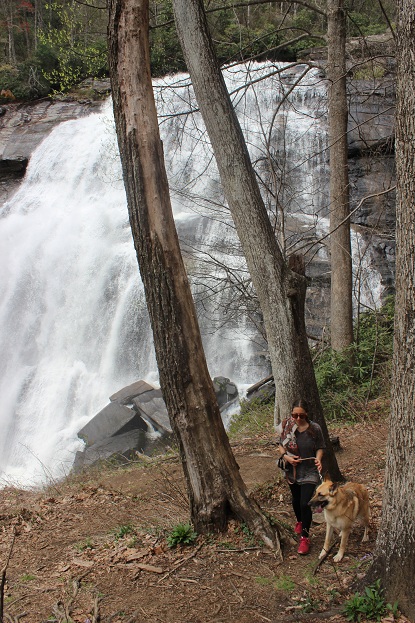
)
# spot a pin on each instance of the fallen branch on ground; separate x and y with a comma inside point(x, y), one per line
point(192, 555)
point(326, 553)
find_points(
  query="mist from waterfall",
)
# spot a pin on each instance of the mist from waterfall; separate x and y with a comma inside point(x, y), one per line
point(74, 324)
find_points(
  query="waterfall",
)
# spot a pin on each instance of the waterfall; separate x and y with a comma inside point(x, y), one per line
point(74, 325)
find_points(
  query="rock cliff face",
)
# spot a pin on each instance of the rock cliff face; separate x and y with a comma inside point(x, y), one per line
point(22, 128)
point(372, 171)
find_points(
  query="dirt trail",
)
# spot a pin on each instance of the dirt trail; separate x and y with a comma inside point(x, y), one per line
point(93, 548)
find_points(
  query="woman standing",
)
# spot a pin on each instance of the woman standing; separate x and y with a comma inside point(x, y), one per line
point(301, 444)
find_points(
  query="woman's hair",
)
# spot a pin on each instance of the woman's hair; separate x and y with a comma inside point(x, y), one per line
point(303, 404)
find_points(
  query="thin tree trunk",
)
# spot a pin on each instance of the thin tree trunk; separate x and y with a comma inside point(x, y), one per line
point(394, 558)
point(280, 290)
point(341, 321)
point(9, 19)
point(215, 487)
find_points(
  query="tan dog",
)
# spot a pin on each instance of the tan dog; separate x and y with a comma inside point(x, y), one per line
point(342, 505)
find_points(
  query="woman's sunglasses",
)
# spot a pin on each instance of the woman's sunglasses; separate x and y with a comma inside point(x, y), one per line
point(299, 415)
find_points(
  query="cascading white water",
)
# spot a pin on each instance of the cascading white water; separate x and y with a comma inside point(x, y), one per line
point(71, 301)
point(72, 311)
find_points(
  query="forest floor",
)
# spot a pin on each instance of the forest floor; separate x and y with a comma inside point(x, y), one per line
point(93, 547)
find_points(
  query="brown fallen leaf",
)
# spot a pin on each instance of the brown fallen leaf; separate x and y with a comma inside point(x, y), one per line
point(150, 568)
point(82, 563)
point(135, 555)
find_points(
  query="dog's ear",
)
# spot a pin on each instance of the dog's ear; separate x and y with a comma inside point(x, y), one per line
point(326, 477)
point(333, 488)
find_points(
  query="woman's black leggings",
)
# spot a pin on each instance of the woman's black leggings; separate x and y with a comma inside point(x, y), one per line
point(301, 495)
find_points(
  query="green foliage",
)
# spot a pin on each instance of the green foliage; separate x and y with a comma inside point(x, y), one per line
point(24, 81)
point(123, 531)
point(369, 605)
point(360, 24)
point(238, 38)
point(58, 43)
point(285, 583)
point(71, 54)
point(83, 545)
point(305, 44)
point(346, 381)
point(263, 581)
point(308, 20)
point(360, 372)
point(165, 52)
point(248, 535)
point(182, 534)
point(255, 416)
point(308, 603)
point(226, 545)
point(369, 71)
point(27, 577)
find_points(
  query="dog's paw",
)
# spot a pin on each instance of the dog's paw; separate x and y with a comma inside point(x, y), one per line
point(322, 554)
point(338, 557)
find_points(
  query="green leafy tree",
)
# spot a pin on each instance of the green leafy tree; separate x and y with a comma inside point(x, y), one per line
point(71, 46)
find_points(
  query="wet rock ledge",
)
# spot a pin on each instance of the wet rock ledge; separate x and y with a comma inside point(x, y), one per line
point(24, 125)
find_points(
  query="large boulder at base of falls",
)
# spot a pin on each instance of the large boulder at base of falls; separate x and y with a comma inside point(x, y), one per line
point(121, 429)
point(225, 390)
point(123, 447)
point(127, 394)
point(151, 407)
point(114, 419)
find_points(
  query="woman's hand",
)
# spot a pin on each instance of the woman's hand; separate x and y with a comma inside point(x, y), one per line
point(294, 460)
point(318, 464)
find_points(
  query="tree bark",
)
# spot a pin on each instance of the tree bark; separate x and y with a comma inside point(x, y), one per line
point(341, 320)
point(394, 559)
point(280, 290)
point(215, 487)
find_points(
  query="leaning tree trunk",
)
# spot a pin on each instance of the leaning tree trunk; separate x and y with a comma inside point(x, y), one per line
point(341, 317)
point(280, 290)
point(394, 560)
point(215, 487)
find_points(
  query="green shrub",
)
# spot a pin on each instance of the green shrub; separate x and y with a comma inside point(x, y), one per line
point(84, 545)
point(25, 81)
point(255, 416)
point(370, 605)
point(182, 534)
point(308, 20)
point(360, 372)
point(360, 24)
point(247, 534)
point(123, 531)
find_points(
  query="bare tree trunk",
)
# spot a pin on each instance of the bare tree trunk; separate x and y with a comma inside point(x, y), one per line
point(394, 560)
point(215, 487)
point(341, 322)
point(9, 19)
point(281, 291)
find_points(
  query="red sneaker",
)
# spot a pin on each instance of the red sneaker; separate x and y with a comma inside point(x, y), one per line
point(298, 527)
point(304, 546)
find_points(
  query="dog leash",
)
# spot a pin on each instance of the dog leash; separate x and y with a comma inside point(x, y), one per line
point(309, 458)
